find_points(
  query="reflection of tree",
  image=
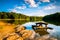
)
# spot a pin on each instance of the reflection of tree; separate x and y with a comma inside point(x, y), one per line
point(20, 21)
point(16, 21)
point(53, 18)
point(41, 32)
point(55, 23)
point(17, 18)
point(8, 21)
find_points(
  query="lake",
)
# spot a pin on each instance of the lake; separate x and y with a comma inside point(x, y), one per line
point(54, 33)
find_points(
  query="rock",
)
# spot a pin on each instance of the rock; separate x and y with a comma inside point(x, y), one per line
point(20, 38)
point(32, 35)
point(46, 37)
point(20, 28)
point(26, 33)
point(12, 36)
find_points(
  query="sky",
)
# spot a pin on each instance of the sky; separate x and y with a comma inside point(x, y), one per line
point(30, 7)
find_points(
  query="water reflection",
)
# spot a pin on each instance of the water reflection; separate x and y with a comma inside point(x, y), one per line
point(15, 21)
point(55, 32)
point(53, 22)
point(29, 27)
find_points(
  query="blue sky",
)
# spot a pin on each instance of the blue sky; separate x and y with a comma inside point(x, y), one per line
point(30, 7)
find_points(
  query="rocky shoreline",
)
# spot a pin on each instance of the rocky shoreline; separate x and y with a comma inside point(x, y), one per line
point(22, 34)
point(19, 32)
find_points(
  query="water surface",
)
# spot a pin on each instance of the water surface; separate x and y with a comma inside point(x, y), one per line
point(55, 32)
point(28, 24)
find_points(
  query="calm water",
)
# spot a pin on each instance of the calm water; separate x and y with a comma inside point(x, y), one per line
point(55, 32)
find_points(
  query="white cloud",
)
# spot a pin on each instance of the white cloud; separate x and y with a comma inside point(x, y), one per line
point(17, 9)
point(20, 7)
point(37, 13)
point(14, 10)
point(49, 7)
point(45, 0)
point(32, 3)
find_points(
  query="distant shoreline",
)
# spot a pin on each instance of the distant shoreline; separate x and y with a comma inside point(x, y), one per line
point(14, 19)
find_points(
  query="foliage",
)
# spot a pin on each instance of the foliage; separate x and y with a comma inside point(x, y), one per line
point(12, 15)
point(53, 18)
point(17, 18)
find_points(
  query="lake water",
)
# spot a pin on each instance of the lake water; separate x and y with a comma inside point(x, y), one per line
point(55, 32)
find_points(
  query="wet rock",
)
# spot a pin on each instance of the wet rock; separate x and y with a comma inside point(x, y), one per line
point(26, 35)
point(19, 28)
point(12, 36)
point(20, 38)
point(46, 37)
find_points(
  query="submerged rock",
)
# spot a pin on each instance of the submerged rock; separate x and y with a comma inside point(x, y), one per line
point(20, 38)
point(46, 37)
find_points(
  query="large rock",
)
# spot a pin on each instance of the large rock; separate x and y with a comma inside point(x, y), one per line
point(14, 36)
point(19, 28)
point(20, 38)
point(46, 37)
point(26, 34)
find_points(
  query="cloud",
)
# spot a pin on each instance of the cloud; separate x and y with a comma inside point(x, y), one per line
point(32, 3)
point(45, 0)
point(49, 7)
point(14, 10)
point(20, 7)
point(29, 13)
point(37, 13)
point(17, 8)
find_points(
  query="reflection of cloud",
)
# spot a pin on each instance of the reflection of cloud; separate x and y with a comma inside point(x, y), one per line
point(29, 24)
point(52, 31)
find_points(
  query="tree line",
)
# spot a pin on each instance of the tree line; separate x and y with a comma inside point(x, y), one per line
point(53, 18)
point(13, 15)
